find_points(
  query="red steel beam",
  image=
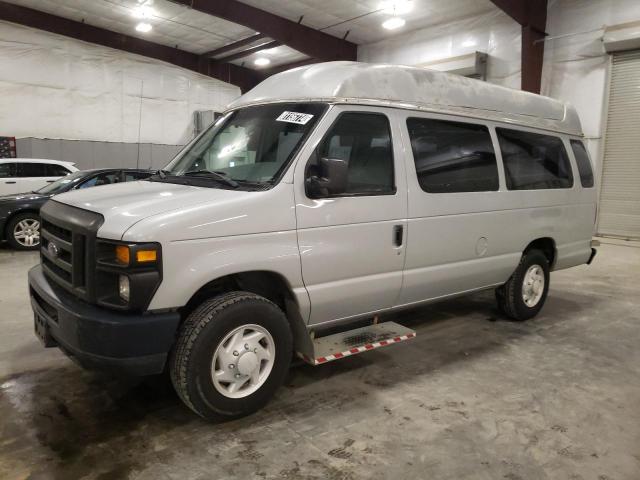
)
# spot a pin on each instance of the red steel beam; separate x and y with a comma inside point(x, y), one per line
point(532, 16)
point(242, 77)
point(305, 39)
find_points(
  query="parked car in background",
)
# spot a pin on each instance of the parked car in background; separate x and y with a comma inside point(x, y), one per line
point(19, 213)
point(29, 174)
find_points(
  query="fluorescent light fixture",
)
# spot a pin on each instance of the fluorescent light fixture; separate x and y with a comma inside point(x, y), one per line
point(143, 11)
point(397, 7)
point(143, 27)
point(262, 61)
point(393, 23)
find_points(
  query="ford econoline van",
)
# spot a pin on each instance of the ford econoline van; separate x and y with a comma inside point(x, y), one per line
point(324, 196)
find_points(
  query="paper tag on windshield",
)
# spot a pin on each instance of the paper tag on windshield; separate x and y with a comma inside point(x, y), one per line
point(294, 117)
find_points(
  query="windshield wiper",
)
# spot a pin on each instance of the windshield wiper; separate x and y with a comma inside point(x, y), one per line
point(162, 173)
point(219, 176)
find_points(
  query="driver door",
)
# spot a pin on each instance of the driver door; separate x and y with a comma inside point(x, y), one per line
point(352, 244)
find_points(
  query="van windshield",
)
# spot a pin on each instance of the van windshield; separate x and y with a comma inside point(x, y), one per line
point(246, 147)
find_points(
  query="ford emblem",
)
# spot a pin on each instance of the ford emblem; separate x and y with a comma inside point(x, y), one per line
point(53, 249)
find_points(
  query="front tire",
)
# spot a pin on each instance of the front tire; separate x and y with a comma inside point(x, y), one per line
point(23, 231)
point(232, 354)
point(524, 294)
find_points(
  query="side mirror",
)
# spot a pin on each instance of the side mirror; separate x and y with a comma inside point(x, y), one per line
point(331, 178)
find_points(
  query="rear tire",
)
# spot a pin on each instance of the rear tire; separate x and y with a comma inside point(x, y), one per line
point(23, 231)
point(524, 294)
point(232, 354)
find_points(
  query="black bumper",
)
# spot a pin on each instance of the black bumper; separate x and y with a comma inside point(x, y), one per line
point(133, 344)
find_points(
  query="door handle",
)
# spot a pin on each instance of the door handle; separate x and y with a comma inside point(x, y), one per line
point(9, 182)
point(398, 233)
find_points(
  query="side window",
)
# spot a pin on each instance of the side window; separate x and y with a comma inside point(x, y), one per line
point(53, 170)
point(452, 156)
point(363, 140)
point(132, 176)
point(106, 178)
point(533, 161)
point(31, 169)
point(7, 170)
point(584, 164)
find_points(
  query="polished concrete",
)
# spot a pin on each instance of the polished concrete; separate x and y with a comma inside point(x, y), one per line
point(473, 396)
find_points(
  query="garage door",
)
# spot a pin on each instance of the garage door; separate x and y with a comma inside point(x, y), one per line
point(620, 192)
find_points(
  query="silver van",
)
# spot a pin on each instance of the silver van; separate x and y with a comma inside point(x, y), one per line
point(326, 195)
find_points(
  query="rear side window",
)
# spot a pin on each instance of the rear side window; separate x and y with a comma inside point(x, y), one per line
point(452, 156)
point(29, 169)
point(584, 164)
point(363, 140)
point(54, 170)
point(7, 170)
point(533, 161)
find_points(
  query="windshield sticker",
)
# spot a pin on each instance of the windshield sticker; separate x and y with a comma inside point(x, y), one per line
point(294, 117)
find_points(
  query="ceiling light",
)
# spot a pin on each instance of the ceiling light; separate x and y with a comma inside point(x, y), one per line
point(143, 11)
point(469, 43)
point(143, 27)
point(262, 61)
point(271, 51)
point(396, 7)
point(393, 23)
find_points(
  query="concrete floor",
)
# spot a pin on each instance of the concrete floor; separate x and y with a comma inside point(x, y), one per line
point(473, 396)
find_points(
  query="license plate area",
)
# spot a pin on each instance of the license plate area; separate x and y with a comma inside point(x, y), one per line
point(42, 331)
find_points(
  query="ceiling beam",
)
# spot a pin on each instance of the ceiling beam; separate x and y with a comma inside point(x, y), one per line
point(289, 66)
point(242, 77)
point(304, 39)
point(249, 51)
point(532, 17)
point(235, 45)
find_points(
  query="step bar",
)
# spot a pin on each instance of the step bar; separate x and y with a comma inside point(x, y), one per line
point(359, 340)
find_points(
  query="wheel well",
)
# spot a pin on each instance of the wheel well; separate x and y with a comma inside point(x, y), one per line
point(12, 216)
point(547, 246)
point(269, 285)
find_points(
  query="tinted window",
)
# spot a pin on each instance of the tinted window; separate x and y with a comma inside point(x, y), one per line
point(131, 176)
point(106, 178)
point(584, 164)
point(7, 170)
point(54, 170)
point(363, 140)
point(533, 161)
point(31, 170)
point(452, 156)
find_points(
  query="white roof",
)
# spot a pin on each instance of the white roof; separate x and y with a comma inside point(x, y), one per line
point(413, 88)
point(36, 160)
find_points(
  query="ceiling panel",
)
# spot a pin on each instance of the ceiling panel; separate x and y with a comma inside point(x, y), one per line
point(196, 32)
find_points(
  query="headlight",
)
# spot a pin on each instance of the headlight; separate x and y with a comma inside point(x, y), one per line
point(127, 273)
point(124, 288)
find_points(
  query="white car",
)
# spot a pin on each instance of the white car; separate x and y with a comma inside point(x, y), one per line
point(19, 175)
point(326, 195)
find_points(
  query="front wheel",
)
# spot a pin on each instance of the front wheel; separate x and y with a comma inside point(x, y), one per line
point(23, 231)
point(524, 294)
point(232, 354)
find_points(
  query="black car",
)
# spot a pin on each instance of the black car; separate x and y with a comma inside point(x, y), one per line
point(19, 213)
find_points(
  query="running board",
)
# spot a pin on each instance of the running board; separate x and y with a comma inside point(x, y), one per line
point(352, 342)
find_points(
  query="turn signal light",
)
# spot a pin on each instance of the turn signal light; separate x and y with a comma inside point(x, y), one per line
point(144, 256)
point(122, 254)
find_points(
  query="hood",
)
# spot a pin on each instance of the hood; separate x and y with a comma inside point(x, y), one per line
point(23, 197)
point(125, 204)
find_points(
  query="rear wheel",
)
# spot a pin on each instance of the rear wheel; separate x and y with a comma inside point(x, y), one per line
point(524, 294)
point(232, 354)
point(23, 231)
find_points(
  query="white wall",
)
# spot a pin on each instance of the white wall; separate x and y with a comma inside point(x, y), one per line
point(57, 87)
point(493, 33)
point(575, 67)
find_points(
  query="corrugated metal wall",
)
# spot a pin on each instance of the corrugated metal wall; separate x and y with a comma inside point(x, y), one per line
point(620, 191)
point(89, 154)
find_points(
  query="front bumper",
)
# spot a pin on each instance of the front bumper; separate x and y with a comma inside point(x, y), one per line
point(134, 344)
